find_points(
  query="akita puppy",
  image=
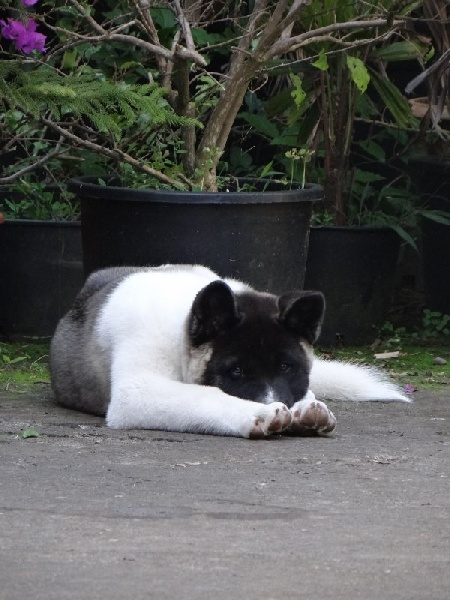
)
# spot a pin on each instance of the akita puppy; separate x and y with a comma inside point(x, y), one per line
point(180, 349)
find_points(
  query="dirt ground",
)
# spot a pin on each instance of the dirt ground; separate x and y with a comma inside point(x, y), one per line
point(89, 513)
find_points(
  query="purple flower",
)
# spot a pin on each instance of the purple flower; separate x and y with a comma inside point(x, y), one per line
point(24, 35)
point(29, 2)
point(409, 388)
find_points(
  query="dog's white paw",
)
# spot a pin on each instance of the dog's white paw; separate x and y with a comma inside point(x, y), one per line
point(311, 416)
point(269, 418)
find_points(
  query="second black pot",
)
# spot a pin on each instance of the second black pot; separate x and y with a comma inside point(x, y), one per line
point(355, 269)
point(41, 272)
point(432, 178)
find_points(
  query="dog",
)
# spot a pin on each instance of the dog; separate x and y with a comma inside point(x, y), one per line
point(177, 348)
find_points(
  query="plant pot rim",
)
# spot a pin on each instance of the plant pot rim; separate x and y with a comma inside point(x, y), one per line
point(39, 223)
point(430, 160)
point(354, 228)
point(87, 186)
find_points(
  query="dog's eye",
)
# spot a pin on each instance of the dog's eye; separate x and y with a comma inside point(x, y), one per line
point(285, 367)
point(236, 372)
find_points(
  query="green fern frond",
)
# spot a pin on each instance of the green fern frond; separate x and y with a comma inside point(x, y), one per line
point(85, 96)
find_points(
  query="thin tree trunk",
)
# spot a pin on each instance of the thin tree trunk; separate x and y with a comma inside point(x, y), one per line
point(219, 125)
point(185, 108)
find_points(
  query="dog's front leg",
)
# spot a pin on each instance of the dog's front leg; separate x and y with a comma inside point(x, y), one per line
point(311, 416)
point(146, 401)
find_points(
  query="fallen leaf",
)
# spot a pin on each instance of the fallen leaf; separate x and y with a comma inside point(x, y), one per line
point(382, 355)
point(29, 433)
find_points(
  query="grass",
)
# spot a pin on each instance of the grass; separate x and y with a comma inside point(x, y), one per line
point(24, 364)
point(414, 365)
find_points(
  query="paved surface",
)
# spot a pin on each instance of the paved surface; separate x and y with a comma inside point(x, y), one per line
point(90, 513)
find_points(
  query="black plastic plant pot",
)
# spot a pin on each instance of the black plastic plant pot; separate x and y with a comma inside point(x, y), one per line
point(260, 237)
point(40, 273)
point(355, 268)
point(436, 249)
point(432, 178)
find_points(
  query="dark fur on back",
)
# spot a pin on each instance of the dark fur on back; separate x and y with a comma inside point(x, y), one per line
point(73, 340)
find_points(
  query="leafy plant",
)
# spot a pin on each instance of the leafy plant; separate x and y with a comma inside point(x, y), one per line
point(436, 18)
point(203, 59)
point(34, 200)
point(337, 82)
point(435, 324)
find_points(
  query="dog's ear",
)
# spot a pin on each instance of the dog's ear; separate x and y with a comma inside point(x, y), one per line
point(213, 312)
point(302, 313)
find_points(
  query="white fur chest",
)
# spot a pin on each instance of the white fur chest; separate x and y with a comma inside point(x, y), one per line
point(144, 318)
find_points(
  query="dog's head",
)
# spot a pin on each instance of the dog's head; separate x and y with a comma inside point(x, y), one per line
point(252, 345)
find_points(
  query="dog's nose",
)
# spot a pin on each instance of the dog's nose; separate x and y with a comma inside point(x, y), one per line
point(271, 394)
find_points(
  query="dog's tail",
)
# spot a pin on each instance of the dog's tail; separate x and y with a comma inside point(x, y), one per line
point(335, 380)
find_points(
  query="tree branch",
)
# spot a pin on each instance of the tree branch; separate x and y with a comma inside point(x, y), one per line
point(147, 21)
point(184, 24)
point(188, 53)
point(284, 46)
point(38, 163)
point(115, 154)
point(92, 22)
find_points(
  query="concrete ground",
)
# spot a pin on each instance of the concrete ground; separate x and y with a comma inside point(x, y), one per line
point(89, 513)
